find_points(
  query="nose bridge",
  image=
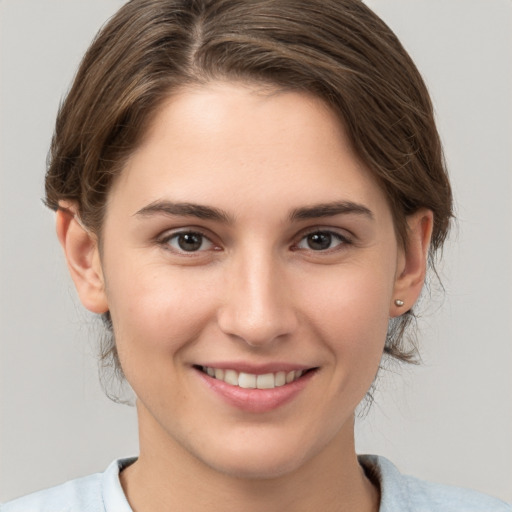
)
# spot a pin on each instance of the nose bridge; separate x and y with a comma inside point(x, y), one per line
point(257, 307)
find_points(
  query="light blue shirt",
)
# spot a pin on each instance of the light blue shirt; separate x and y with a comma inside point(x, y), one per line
point(102, 492)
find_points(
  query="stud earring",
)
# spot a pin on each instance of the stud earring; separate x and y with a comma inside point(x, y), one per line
point(399, 303)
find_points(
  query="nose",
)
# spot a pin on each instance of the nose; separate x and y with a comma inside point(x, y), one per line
point(257, 306)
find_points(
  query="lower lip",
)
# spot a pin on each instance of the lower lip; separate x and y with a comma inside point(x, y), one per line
point(257, 400)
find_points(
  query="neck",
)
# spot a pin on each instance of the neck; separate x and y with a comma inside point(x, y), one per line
point(167, 477)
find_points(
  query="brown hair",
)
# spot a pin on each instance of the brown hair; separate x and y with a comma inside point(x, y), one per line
point(338, 50)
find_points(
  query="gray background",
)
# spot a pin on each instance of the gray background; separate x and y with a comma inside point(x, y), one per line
point(449, 420)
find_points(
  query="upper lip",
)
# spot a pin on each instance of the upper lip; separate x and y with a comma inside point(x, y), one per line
point(256, 369)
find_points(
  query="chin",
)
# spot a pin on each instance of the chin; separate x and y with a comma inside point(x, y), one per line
point(258, 469)
point(254, 461)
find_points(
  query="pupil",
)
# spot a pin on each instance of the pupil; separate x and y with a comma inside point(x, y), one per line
point(190, 241)
point(319, 241)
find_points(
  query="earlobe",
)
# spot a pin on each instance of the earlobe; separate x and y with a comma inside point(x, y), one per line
point(82, 256)
point(412, 265)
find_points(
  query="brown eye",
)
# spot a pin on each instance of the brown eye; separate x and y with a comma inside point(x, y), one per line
point(321, 241)
point(189, 242)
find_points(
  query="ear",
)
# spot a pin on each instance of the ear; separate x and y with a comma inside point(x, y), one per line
point(83, 259)
point(412, 261)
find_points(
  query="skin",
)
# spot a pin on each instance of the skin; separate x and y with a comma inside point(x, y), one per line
point(255, 292)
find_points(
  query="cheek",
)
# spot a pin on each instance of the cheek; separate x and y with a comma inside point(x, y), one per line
point(350, 313)
point(158, 308)
point(352, 301)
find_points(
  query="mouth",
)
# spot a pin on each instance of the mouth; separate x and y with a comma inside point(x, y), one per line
point(246, 380)
point(269, 388)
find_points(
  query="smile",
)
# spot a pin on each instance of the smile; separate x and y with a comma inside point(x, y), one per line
point(253, 381)
point(259, 392)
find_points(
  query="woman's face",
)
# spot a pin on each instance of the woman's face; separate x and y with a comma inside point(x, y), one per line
point(245, 239)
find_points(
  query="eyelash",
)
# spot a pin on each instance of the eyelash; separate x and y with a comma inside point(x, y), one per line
point(166, 241)
point(333, 235)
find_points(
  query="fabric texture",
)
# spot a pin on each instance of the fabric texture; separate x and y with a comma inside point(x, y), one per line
point(102, 492)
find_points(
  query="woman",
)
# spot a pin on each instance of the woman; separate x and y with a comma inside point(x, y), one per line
point(248, 195)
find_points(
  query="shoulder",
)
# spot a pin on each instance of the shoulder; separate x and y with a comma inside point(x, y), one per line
point(406, 493)
point(80, 494)
point(100, 492)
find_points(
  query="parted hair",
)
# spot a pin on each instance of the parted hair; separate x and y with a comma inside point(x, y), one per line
point(337, 50)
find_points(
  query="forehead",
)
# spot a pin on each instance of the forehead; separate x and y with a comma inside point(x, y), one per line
point(235, 143)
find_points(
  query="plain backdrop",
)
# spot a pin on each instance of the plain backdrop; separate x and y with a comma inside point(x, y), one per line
point(449, 420)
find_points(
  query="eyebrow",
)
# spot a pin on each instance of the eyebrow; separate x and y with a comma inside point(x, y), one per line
point(330, 210)
point(161, 207)
point(164, 207)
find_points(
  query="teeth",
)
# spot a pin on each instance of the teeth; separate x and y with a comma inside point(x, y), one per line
point(251, 381)
point(265, 381)
point(247, 380)
point(280, 379)
point(231, 377)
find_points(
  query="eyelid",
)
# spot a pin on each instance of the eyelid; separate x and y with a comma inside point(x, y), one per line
point(173, 231)
point(344, 238)
point(164, 238)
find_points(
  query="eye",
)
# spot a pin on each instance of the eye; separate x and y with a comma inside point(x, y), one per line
point(321, 241)
point(188, 241)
